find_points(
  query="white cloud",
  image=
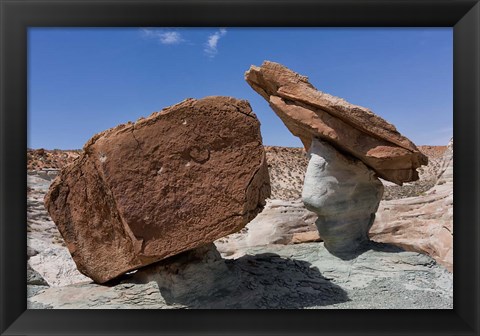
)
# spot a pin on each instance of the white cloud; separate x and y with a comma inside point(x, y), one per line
point(212, 42)
point(164, 37)
point(170, 38)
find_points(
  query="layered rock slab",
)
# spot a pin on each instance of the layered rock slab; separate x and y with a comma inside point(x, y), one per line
point(309, 113)
point(177, 180)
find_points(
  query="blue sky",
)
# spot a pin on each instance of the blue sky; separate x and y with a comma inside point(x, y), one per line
point(84, 80)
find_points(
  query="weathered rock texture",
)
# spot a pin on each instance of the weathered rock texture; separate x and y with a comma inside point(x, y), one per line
point(272, 277)
point(280, 222)
point(286, 167)
point(310, 113)
point(344, 193)
point(144, 191)
point(445, 174)
point(46, 251)
point(198, 273)
point(34, 278)
point(422, 224)
point(56, 266)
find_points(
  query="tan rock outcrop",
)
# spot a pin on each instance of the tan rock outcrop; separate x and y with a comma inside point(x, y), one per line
point(177, 180)
point(424, 223)
point(309, 113)
point(280, 222)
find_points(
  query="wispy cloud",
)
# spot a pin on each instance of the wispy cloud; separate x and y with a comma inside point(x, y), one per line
point(163, 36)
point(212, 42)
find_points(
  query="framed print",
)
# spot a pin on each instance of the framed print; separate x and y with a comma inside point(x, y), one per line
point(199, 34)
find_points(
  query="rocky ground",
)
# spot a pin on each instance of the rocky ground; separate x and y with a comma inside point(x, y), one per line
point(277, 261)
point(38, 159)
point(287, 167)
point(270, 277)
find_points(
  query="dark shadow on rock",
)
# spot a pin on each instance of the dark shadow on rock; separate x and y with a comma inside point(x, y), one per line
point(364, 247)
point(263, 281)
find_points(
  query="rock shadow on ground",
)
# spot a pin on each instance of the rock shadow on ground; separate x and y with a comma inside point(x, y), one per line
point(261, 281)
point(365, 247)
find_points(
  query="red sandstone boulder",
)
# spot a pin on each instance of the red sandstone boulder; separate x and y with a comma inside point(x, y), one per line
point(177, 180)
point(309, 113)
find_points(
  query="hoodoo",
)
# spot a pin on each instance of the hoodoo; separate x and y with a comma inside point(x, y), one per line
point(349, 146)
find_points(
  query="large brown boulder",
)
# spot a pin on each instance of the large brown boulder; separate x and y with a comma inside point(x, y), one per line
point(353, 129)
point(177, 180)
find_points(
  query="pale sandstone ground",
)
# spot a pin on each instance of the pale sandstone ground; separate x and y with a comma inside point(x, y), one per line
point(265, 272)
point(303, 276)
point(47, 253)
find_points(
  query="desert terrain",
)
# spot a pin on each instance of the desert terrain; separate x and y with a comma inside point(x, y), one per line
point(287, 167)
point(186, 208)
point(276, 261)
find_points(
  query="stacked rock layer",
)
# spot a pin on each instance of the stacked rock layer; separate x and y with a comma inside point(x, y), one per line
point(309, 113)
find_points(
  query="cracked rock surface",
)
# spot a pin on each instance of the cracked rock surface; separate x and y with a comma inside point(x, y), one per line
point(144, 191)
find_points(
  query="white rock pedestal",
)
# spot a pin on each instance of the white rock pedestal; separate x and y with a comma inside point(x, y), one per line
point(345, 194)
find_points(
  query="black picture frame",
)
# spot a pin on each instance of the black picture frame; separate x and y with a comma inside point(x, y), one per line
point(18, 15)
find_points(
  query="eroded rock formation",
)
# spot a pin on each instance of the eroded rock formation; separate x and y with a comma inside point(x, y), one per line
point(424, 223)
point(344, 193)
point(280, 222)
point(177, 180)
point(356, 130)
point(350, 147)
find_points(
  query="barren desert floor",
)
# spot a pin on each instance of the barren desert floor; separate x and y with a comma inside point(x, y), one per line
point(277, 261)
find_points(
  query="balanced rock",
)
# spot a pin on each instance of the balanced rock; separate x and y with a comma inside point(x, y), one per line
point(344, 193)
point(145, 191)
point(356, 130)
